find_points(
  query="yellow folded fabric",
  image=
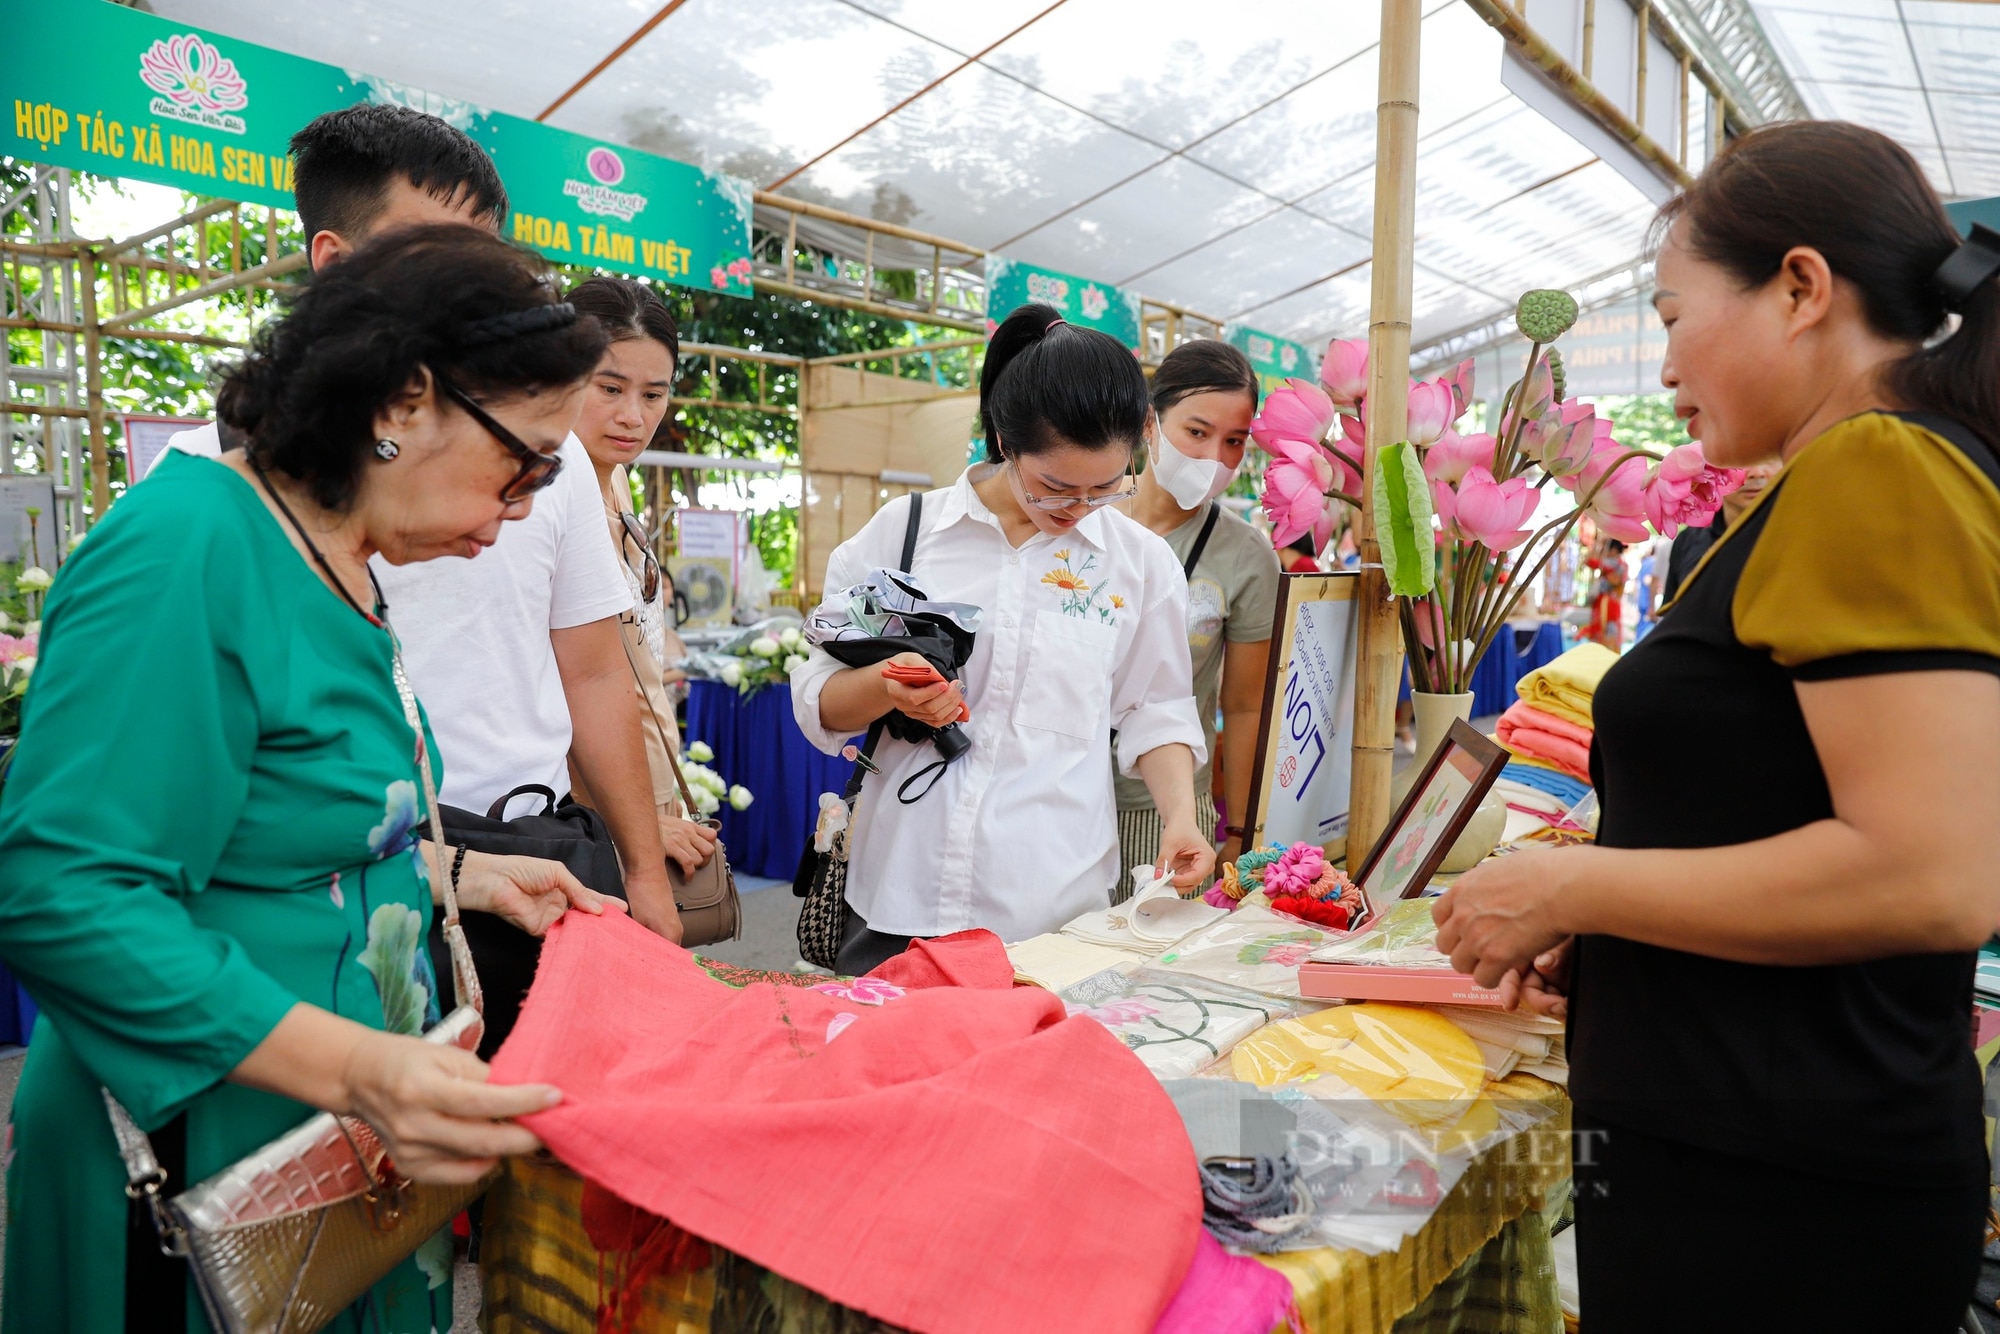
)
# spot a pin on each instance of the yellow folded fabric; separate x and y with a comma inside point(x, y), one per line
point(1566, 686)
point(1413, 1061)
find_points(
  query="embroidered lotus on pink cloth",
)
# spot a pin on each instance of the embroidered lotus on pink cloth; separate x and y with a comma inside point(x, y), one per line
point(862, 990)
point(192, 73)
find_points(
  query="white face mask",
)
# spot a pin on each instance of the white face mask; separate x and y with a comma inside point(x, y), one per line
point(1191, 482)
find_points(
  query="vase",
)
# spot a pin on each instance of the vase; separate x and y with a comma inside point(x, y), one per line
point(1435, 715)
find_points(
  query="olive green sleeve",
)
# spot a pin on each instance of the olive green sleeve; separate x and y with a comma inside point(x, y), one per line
point(1880, 553)
point(133, 766)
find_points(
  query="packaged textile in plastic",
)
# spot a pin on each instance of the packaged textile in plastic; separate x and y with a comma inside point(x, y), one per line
point(1373, 1180)
point(1415, 1062)
point(1402, 935)
point(1252, 948)
point(1175, 1025)
point(1055, 961)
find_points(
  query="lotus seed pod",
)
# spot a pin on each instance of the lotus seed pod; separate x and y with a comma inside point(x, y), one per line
point(1545, 315)
point(1556, 374)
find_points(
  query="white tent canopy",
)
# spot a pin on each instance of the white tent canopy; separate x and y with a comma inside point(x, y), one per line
point(1218, 157)
point(1925, 72)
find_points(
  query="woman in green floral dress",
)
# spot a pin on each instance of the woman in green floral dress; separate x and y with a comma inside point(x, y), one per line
point(210, 875)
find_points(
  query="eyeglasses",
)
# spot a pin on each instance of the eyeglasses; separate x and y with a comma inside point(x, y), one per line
point(1057, 503)
point(635, 533)
point(537, 469)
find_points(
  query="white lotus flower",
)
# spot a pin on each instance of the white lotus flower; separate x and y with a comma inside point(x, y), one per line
point(740, 798)
point(793, 663)
point(34, 579)
point(793, 641)
point(732, 674)
point(765, 647)
point(699, 752)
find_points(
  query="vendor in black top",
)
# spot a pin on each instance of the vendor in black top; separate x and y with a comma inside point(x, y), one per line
point(1769, 953)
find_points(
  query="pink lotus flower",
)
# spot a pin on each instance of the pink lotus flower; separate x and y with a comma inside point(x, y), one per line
point(1485, 511)
point(1613, 492)
point(1295, 487)
point(1431, 413)
point(718, 276)
point(1453, 455)
point(1460, 384)
point(14, 648)
point(1684, 489)
point(1537, 396)
point(1299, 411)
point(1345, 372)
point(1565, 439)
point(1295, 871)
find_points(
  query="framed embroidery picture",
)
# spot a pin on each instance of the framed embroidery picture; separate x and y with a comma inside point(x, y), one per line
point(1441, 801)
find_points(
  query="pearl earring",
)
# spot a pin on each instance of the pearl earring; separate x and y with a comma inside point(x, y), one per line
point(387, 449)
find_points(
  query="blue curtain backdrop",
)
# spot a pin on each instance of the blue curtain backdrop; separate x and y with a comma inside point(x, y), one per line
point(757, 744)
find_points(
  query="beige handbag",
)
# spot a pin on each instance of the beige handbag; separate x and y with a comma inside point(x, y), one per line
point(709, 906)
point(284, 1240)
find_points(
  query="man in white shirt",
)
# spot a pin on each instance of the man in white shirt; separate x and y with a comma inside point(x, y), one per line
point(516, 652)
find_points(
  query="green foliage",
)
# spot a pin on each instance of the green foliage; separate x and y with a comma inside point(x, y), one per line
point(766, 323)
point(1644, 421)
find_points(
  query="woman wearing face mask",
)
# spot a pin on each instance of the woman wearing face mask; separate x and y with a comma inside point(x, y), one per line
point(1084, 632)
point(1770, 948)
point(1204, 395)
point(622, 407)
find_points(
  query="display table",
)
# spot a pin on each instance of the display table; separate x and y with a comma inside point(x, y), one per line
point(1507, 661)
point(1481, 1265)
point(758, 744)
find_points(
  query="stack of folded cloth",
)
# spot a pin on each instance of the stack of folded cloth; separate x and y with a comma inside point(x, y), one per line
point(1550, 728)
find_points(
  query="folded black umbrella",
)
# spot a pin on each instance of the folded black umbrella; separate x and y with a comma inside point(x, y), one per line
point(888, 614)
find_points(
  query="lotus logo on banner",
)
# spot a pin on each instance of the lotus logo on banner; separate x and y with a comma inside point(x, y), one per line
point(194, 83)
point(596, 197)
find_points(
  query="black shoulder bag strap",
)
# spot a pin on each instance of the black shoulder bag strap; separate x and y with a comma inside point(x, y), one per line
point(1201, 541)
point(874, 738)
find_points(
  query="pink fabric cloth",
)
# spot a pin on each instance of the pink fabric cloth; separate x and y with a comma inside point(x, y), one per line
point(1527, 730)
point(944, 1157)
point(1227, 1294)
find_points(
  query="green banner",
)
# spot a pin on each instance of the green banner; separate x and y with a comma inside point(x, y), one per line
point(1275, 359)
point(111, 90)
point(1011, 284)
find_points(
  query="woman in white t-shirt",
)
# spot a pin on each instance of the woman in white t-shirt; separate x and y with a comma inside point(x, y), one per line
point(1083, 633)
point(623, 405)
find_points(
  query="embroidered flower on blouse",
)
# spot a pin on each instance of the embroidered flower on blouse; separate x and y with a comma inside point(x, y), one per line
point(333, 892)
point(1080, 599)
point(399, 817)
point(862, 991)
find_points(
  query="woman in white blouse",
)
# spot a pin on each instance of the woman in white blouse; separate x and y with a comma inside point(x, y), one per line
point(1084, 634)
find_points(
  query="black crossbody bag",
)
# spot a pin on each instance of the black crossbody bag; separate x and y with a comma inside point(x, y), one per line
point(822, 876)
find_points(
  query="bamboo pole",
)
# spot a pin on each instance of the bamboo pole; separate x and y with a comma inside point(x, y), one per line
point(1381, 648)
point(95, 449)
